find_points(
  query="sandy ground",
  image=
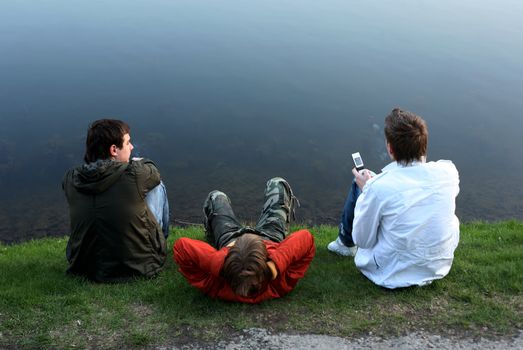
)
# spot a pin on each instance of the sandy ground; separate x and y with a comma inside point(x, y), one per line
point(262, 339)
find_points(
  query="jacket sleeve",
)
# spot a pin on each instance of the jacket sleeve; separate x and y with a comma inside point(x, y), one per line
point(292, 259)
point(147, 175)
point(200, 264)
point(367, 216)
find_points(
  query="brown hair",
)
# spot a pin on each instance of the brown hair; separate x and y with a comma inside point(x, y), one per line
point(245, 267)
point(101, 135)
point(407, 135)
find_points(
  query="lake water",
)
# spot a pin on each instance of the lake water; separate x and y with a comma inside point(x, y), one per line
point(226, 94)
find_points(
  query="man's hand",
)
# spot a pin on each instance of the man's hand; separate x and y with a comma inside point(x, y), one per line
point(361, 177)
point(272, 267)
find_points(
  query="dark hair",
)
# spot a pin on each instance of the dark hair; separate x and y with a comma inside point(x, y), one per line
point(101, 135)
point(245, 267)
point(407, 135)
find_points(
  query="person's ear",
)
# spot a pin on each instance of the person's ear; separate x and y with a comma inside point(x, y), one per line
point(113, 151)
point(390, 151)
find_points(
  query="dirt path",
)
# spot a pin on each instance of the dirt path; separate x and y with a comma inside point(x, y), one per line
point(262, 339)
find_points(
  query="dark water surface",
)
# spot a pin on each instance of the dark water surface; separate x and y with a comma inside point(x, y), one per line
point(225, 94)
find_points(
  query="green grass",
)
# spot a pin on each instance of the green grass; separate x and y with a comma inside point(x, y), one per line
point(41, 307)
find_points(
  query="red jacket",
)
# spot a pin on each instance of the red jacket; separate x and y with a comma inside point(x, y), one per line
point(201, 264)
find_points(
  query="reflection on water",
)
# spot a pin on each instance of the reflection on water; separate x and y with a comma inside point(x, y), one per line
point(226, 95)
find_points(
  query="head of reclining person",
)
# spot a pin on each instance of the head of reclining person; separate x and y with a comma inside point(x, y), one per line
point(245, 267)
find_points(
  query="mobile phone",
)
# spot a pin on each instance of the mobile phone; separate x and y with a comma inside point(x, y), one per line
point(358, 162)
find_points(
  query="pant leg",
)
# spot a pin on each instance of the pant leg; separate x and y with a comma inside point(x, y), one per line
point(347, 218)
point(221, 225)
point(158, 204)
point(278, 207)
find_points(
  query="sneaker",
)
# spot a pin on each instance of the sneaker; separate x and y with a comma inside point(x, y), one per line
point(293, 201)
point(339, 248)
point(279, 186)
point(208, 208)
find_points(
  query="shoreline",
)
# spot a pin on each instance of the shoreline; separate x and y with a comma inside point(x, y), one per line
point(182, 224)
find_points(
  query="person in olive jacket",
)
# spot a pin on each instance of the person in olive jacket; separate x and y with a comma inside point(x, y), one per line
point(118, 209)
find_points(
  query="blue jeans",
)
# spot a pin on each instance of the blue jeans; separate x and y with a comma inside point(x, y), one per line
point(158, 204)
point(345, 228)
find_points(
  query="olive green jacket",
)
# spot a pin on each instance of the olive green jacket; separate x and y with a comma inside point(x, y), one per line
point(114, 235)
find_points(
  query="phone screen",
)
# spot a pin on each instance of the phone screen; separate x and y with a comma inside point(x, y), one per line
point(358, 162)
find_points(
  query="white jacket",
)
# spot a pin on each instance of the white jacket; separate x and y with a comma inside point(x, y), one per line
point(405, 225)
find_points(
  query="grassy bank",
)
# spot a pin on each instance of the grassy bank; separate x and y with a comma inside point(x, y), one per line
point(41, 307)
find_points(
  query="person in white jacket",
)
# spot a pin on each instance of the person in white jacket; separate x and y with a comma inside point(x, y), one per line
point(401, 225)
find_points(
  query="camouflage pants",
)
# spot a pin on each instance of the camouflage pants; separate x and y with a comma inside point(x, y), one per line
point(222, 227)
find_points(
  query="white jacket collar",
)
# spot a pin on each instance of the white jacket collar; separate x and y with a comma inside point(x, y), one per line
point(395, 165)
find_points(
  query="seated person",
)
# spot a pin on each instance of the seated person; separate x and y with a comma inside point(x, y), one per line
point(247, 264)
point(118, 209)
point(400, 225)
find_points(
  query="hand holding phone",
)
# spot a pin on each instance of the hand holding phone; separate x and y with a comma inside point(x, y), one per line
point(360, 174)
point(361, 177)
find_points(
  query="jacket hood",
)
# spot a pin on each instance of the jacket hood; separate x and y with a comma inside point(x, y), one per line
point(97, 177)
